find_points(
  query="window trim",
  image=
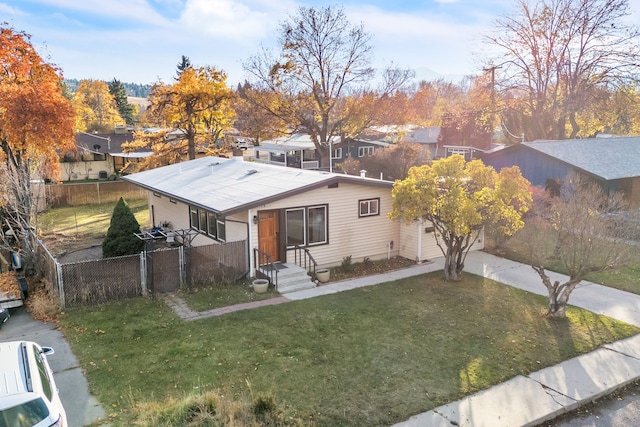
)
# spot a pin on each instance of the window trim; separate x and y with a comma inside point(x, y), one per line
point(336, 153)
point(305, 219)
point(365, 151)
point(368, 202)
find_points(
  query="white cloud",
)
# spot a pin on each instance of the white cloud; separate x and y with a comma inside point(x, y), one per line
point(5, 9)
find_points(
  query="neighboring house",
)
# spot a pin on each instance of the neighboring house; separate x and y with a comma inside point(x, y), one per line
point(99, 156)
point(614, 163)
point(299, 151)
point(276, 209)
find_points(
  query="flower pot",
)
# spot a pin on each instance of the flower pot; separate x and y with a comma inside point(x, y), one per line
point(323, 274)
point(260, 286)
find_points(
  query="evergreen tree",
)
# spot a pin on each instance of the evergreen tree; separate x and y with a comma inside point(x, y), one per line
point(120, 239)
point(116, 88)
point(184, 63)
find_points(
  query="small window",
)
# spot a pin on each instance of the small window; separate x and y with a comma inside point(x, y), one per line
point(193, 217)
point(156, 194)
point(202, 220)
point(337, 153)
point(365, 151)
point(317, 229)
point(212, 223)
point(174, 201)
point(221, 231)
point(369, 207)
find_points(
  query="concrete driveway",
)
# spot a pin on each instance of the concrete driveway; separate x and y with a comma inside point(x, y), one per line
point(82, 408)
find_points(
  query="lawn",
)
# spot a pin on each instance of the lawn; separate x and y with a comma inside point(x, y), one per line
point(370, 356)
point(82, 226)
point(625, 279)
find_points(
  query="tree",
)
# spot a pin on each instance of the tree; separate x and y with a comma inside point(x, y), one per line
point(96, 108)
point(392, 162)
point(323, 60)
point(121, 239)
point(197, 106)
point(583, 230)
point(459, 199)
point(184, 63)
point(254, 122)
point(36, 121)
point(126, 110)
point(554, 55)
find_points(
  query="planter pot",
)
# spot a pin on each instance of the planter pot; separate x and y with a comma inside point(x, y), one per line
point(260, 286)
point(323, 275)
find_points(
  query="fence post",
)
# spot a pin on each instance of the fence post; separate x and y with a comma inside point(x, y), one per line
point(60, 283)
point(143, 273)
point(182, 266)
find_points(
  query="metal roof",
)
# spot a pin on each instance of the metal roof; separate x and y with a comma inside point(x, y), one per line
point(607, 158)
point(230, 185)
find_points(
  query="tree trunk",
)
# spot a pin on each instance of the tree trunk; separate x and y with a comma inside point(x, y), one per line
point(453, 264)
point(558, 293)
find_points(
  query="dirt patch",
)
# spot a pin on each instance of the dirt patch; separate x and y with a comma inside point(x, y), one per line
point(86, 254)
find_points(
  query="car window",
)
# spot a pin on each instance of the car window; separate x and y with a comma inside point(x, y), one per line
point(44, 374)
point(26, 414)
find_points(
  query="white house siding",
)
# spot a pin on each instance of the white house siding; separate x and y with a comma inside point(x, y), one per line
point(349, 235)
point(73, 171)
point(421, 245)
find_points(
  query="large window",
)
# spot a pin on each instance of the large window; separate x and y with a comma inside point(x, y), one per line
point(207, 222)
point(306, 226)
point(369, 207)
point(365, 151)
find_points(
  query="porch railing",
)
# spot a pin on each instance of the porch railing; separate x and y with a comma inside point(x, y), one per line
point(264, 266)
point(304, 259)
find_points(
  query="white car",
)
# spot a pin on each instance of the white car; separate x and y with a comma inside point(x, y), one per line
point(28, 393)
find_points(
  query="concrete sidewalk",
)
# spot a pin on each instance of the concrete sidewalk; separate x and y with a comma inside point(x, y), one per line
point(523, 400)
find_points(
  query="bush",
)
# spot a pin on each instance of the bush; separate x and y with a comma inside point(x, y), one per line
point(121, 239)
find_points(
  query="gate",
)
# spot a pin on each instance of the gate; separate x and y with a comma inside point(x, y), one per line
point(164, 270)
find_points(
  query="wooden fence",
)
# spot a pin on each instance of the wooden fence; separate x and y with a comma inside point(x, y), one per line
point(58, 195)
point(94, 282)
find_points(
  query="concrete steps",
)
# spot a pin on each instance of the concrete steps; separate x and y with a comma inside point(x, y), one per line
point(291, 278)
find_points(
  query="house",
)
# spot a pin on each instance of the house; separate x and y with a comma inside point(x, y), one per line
point(281, 210)
point(299, 151)
point(99, 156)
point(614, 163)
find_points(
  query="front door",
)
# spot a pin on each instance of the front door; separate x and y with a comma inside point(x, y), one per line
point(268, 234)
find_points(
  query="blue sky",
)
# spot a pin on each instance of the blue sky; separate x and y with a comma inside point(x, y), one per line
point(141, 41)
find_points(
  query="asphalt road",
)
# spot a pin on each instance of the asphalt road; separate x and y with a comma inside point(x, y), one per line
point(82, 408)
point(619, 409)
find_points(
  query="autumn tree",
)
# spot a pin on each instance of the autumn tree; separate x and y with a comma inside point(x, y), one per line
point(459, 199)
point(196, 109)
point(96, 108)
point(392, 162)
point(323, 61)
point(126, 110)
point(121, 236)
point(36, 121)
point(554, 55)
point(254, 122)
point(582, 231)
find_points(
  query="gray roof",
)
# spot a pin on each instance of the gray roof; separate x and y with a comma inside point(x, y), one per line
point(231, 185)
point(607, 158)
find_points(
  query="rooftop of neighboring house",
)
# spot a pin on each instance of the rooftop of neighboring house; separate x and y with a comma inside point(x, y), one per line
point(609, 158)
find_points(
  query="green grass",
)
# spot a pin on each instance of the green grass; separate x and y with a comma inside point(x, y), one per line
point(79, 227)
point(626, 278)
point(223, 295)
point(367, 357)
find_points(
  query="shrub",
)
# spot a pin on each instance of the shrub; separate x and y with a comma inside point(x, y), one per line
point(121, 239)
point(346, 265)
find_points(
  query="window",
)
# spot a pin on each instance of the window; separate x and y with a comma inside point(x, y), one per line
point(306, 226)
point(365, 151)
point(369, 207)
point(337, 153)
point(207, 222)
point(44, 375)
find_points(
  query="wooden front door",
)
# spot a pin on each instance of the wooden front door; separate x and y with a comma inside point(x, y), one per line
point(268, 234)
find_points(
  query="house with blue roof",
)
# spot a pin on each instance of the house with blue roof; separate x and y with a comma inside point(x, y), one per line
point(614, 163)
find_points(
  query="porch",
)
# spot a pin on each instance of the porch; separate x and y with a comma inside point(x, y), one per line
point(286, 277)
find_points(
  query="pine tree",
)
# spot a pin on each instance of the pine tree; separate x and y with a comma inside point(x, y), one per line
point(116, 88)
point(120, 239)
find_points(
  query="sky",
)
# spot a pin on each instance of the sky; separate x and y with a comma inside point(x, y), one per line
point(142, 41)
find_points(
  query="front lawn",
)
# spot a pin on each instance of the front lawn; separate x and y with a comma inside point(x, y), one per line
point(370, 356)
point(625, 279)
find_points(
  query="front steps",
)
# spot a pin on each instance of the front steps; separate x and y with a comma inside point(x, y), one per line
point(290, 279)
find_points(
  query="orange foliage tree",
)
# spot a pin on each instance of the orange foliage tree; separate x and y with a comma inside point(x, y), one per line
point(36, 123)
point(196, 109)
